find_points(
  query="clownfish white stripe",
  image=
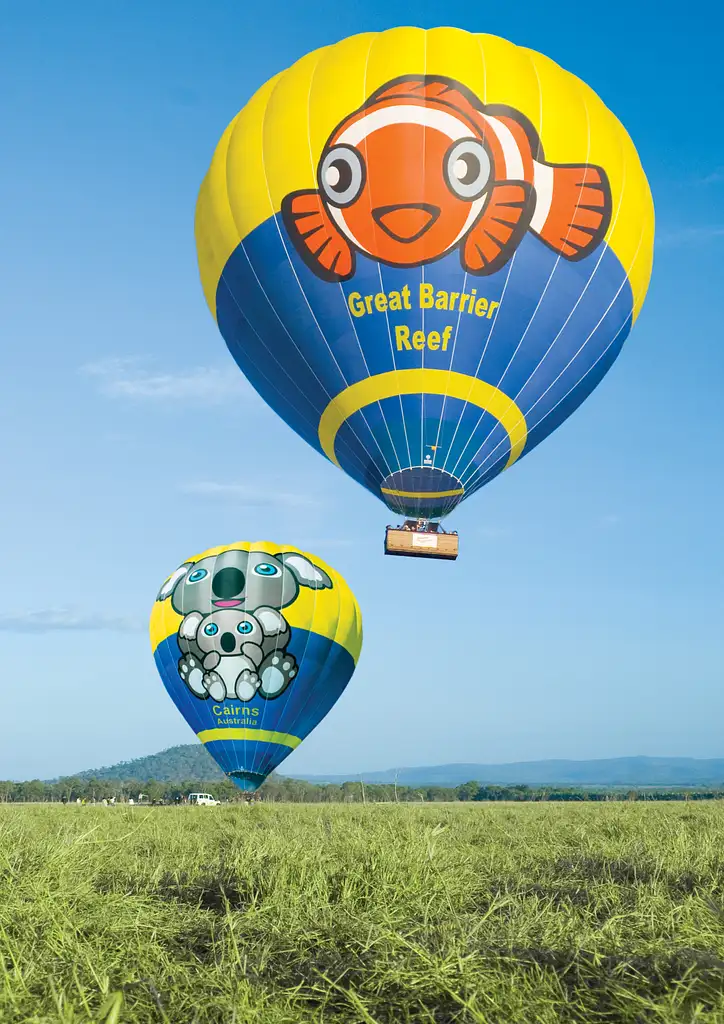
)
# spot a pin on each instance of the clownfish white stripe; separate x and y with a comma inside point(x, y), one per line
point(513, 160)
point(543, 183)
point(428, 117)
point(337, 216)
point(475, 208)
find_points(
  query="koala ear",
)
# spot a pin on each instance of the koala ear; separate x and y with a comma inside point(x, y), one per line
point(190, 625)
point(176, 577)
point(305, 573)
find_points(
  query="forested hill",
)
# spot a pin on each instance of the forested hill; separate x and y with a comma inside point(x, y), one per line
point(191, 761)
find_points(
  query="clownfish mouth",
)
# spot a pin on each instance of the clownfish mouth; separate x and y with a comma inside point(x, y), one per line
point(406, 222)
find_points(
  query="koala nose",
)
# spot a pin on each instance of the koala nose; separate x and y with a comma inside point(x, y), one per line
point(228, 582)
point(228, 643)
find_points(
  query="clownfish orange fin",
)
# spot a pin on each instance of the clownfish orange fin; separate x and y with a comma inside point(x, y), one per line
point(316, 237)
point(495, 236)
point(429, 89)
point(573, 208)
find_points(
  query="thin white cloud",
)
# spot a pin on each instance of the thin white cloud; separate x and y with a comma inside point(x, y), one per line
point(251, 496)
point(53, 620)
point(691, 235)
point(715, 177)
point(127, 378)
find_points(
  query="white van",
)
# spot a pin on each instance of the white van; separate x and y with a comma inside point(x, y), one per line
point(203, 798)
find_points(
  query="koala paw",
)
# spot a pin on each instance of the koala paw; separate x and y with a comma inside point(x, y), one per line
point(215, 685)
point(191, 672)
point(247, 684)
point(277, 674)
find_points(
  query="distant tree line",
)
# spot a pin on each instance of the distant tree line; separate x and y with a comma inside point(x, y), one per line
point(284, 790)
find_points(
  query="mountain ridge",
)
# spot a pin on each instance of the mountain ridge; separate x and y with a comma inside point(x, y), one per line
point(192, 762)
point(638, 770)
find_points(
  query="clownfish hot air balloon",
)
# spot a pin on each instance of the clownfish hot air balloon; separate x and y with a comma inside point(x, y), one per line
point(254, 643)
point(425, 249)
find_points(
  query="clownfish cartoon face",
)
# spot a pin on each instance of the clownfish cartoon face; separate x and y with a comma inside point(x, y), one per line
point(422, 168)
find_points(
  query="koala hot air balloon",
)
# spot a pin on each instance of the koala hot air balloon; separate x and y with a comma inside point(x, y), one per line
point(425, 249)
point(254, 643)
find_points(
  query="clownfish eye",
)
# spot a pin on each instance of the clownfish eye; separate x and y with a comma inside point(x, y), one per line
point(341, 175)
point(196, 575)
point(212, 629)
point(244, 627)
point(467, 169)
point(264, 569)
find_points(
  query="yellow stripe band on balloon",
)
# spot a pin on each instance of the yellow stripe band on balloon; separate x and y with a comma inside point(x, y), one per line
point(285, 739)
point(423, 382)
point(423, 494)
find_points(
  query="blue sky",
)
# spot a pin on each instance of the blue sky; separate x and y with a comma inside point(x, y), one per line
point(583, 618)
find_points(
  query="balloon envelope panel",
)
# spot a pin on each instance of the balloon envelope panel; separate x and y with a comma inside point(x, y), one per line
point(425, 250)
point(254, 643)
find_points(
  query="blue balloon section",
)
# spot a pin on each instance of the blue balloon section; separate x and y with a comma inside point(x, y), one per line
point(325, 668)
point(542, 330)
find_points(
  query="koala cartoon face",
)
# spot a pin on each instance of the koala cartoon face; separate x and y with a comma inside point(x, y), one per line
point(238, 580)
point(226, 632)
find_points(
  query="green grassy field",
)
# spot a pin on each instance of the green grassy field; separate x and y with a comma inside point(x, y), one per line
point(386, 913)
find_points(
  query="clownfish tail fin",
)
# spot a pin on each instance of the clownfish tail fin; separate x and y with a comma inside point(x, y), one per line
point(573, 208)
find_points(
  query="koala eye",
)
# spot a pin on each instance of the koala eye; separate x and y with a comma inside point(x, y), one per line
point(196, 575)
point(264, 569)
point(212, 629)
point(244, 627)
